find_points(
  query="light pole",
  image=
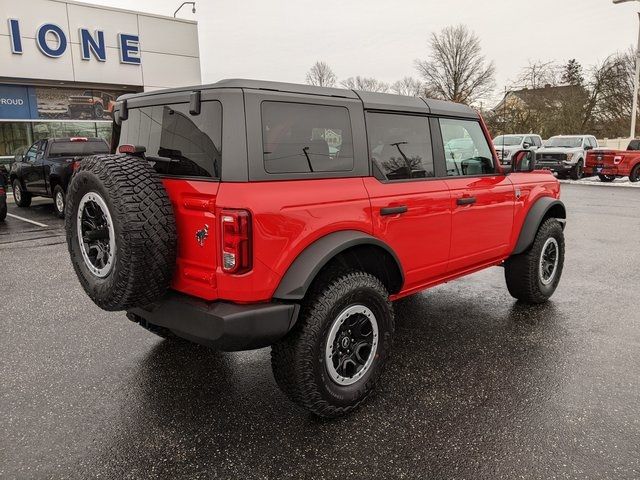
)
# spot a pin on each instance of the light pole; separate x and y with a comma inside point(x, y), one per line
point(193, 9)
point(636, 81)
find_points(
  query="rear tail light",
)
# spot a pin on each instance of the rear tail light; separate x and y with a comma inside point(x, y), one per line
point(131, 149)
point(236, 241)
point(2, 191)
point(79, 139)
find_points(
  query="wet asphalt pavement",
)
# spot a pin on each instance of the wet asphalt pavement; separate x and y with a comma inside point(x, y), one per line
point(479, 387)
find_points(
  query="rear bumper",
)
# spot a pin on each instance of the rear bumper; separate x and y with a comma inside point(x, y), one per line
point(602, 170)
point(222, 325)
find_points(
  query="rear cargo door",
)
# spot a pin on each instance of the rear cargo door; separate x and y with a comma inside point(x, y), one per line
point(186, 147)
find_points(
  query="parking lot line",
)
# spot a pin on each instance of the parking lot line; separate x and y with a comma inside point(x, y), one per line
point(26, 220)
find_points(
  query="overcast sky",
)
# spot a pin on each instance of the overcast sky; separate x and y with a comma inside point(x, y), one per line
point(281, 39)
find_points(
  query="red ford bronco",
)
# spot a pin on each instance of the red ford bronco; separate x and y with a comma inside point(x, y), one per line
point(246, 213)
point(611, 164)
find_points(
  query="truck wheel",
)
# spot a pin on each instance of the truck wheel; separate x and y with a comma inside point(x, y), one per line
point(577, 171)
point(331, 360)
point(606, 178)
point(59, 201)
point(22, 198)
point(121, 231)
point(634, 176)
point(533, 276)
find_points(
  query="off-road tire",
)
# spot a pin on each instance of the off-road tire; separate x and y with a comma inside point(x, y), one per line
point(144, 225)
point(606, 178)
point(56, 191)
point(522, 272)
point(577, 172)
point(634, 176)
point(298, 360)
point(23, 199)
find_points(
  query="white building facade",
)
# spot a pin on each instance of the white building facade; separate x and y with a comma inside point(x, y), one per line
point(63, 64)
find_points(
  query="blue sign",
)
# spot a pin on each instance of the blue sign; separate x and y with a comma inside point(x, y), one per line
point(90, 45)
point(17, 102)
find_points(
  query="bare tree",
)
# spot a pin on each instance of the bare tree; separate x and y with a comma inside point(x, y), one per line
point(408, 86)
point(321, 75)
point(367, 84)
point(610, 93)
point(539, 74)
point(456, 70)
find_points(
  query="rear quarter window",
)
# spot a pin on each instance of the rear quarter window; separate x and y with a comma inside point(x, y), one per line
point(176, 142)
point(306, 138)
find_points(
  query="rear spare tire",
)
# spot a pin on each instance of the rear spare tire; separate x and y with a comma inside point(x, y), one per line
point(121, 231)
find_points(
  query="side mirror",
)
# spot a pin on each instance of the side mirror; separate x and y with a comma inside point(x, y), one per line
point(588, 147)
point(526, 145)
point(523, 161)
point(18, 158)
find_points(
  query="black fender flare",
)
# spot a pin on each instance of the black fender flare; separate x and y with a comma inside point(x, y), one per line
point(298, 277)
point(534, 218)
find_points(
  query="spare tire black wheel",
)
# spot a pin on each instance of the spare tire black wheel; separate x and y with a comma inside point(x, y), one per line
point(121, 231)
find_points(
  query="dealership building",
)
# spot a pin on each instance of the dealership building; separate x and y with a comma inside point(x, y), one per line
point(63, 64)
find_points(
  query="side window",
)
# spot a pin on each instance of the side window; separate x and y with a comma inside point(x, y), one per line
point(465, 147)
point(30, 156)
point(177, 143)
point(399, 146)
point(537, 141)
point(304, 138)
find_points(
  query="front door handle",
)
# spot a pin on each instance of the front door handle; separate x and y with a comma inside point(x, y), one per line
point(466, 201)
point(393, 210)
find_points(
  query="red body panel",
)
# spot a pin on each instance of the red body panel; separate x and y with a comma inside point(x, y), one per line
point(436, 239)
point(420, 237)
point(287, 217)
point(194, 209)
point(480, 231)
point(611, 162)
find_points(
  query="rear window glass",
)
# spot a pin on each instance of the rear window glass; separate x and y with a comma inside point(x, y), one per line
point(305, 138)
point(70, 149)
point(178, 143)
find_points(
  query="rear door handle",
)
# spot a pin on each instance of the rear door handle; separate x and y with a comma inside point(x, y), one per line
point(466, 201)
point(393, 210)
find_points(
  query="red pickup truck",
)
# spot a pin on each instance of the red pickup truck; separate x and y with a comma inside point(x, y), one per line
point(612, 164)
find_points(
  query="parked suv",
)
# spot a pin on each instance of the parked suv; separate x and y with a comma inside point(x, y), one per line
point(507, 145)
point(565, 154)
point(46, 167)
point(245, 214)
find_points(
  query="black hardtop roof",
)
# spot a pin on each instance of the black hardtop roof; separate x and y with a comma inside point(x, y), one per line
point(370, 100)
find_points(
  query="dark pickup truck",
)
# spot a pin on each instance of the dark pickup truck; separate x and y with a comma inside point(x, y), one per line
point(46, 168)
point(4, 179)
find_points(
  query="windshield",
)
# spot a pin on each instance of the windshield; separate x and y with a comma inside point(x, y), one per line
point(78, 149)
point(507, 140)
point(564, 142)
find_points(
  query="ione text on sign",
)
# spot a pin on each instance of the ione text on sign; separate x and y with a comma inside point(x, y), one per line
point(91, 44)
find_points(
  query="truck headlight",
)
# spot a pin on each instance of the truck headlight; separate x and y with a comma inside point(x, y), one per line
point(570, 156)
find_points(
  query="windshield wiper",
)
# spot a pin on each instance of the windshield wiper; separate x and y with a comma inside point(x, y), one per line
point(306, 154)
